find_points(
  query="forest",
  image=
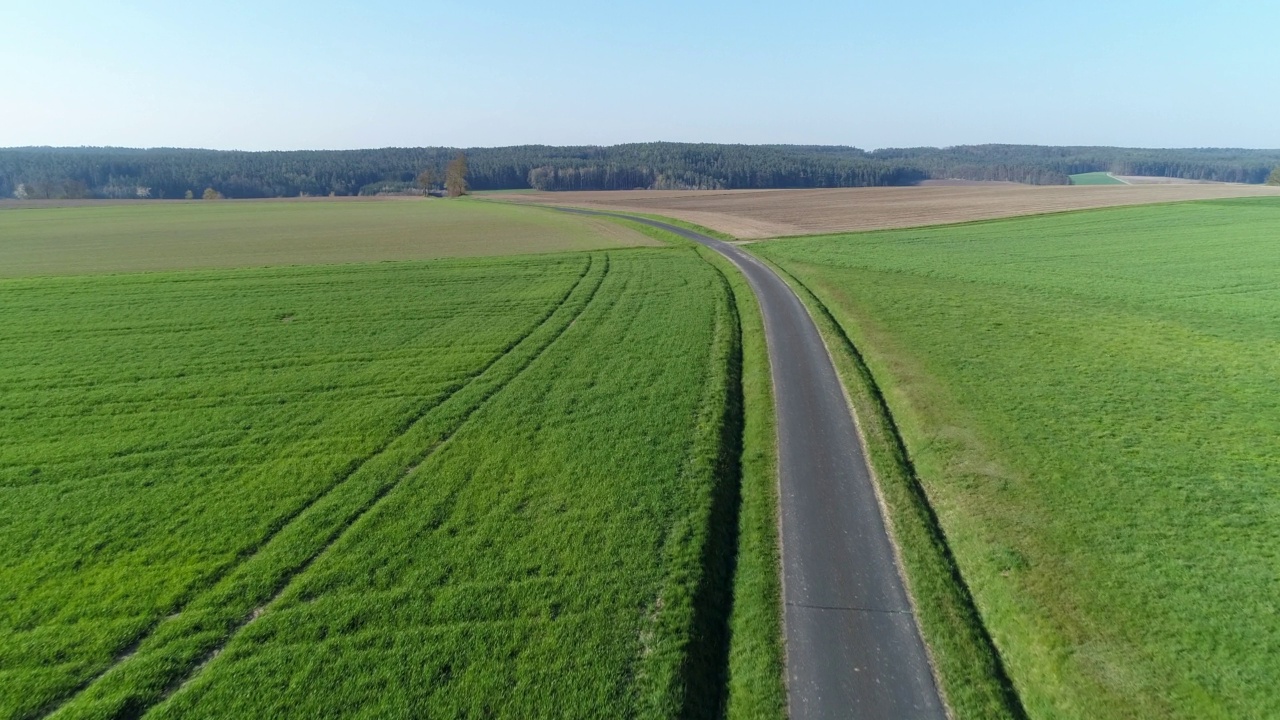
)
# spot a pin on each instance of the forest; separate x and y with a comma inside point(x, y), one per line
point(161, 173)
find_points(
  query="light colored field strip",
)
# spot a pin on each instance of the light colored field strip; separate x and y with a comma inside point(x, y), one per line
point(758, 214)
point(289, 575)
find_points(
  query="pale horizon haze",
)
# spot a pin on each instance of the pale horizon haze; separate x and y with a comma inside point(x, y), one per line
point(327, 75)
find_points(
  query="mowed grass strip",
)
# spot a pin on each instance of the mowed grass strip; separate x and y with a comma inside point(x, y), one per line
point(1095, 178)
point(120, 237)
point(755, 681)
point(1090, 402)
point(160, 429)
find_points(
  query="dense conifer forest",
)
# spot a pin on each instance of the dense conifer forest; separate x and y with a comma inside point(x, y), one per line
point(43, 172)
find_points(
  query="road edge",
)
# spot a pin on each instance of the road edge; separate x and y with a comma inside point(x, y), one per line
point(757, 661)
point(895, 557)
point(966, 663)
point(755, 681)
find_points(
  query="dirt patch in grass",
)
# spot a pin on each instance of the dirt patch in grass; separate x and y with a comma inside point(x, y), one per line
point(754, 214)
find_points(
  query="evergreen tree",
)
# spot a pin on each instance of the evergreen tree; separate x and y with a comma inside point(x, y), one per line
point(170, 173)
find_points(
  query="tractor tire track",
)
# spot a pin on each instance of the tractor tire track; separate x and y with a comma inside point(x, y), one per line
point(261, 610)
point(135, 709)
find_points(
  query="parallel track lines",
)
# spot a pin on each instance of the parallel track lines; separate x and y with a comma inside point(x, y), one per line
point(289, 574)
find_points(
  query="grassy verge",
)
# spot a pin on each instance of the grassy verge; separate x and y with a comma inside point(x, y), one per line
point(1089, 401)
point(966, 663)
point(686, 676)
point(755, 682)
point(756, 687)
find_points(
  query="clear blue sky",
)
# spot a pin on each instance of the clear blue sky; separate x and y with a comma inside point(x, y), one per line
point(276, 75)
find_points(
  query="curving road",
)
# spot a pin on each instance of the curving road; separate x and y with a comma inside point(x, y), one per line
point(853, 649)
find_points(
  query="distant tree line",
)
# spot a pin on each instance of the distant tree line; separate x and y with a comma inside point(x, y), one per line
point(175, 173)
point(1052, 165)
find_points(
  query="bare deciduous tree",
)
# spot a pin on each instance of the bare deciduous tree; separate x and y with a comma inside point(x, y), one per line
point(427, 179)
point(455, 176)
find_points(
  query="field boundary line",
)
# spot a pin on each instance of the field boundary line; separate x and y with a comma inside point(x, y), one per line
point(403, 429)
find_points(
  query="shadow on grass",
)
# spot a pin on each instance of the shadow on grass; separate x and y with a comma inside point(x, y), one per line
point(706, 664)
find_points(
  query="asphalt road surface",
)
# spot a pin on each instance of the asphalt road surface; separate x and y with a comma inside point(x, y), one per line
point(853, 649)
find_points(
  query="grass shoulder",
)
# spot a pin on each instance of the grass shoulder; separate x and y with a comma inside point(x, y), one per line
point(756, 655)
point(966, 663)
point(755, 682)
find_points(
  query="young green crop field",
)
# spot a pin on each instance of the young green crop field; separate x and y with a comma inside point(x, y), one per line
point(107, 237)
point(1090, 401)
point(1094, 178)
point(464, 487)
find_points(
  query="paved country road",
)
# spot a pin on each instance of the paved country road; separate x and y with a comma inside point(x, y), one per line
point(853, 649)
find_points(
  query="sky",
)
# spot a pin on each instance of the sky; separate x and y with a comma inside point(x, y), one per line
point(271, 75)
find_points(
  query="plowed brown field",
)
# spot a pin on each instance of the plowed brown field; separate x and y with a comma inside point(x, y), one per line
point(754, 214)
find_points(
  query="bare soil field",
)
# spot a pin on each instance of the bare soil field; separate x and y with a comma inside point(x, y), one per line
point(756, 214)
point(958, 182)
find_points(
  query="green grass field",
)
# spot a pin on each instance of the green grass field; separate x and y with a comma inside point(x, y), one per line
point(1094, 178)
point(1089, 400)
point(489, 487)
point(117, 237)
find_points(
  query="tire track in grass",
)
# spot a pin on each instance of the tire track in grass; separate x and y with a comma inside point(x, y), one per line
point(261, 610)
point(276, 527)
point(125, 703)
